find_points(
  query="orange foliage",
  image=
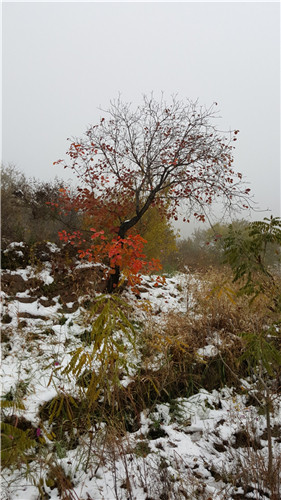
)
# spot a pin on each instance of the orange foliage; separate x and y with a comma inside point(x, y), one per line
point(124, 253)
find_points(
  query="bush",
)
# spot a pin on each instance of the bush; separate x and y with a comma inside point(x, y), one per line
point(25, 212)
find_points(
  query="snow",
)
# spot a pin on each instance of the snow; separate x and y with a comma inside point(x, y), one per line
point(15, 244)
point(188, 448)
point(34, 308)
point(208, 351)
point(52, 247)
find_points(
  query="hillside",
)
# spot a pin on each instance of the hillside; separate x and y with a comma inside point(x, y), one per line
point(145, 395)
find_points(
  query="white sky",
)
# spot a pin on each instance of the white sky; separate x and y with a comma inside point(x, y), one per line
point(61, 61)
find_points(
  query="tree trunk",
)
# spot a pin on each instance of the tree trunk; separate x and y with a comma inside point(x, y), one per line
point(113, 280)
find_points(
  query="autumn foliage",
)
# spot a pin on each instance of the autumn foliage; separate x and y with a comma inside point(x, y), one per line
point(125, 254)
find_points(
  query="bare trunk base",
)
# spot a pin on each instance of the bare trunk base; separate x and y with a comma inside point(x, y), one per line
point(113, 280)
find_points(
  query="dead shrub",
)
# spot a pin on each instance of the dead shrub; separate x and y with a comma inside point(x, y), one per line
point(218, 316)
point(220, 306)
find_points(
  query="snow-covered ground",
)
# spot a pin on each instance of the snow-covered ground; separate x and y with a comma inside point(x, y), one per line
point(191, 448)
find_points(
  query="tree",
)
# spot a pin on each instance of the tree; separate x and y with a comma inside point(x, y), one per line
point(246, 250)
point(205, 247)
point(136, 159)
point(161, 239)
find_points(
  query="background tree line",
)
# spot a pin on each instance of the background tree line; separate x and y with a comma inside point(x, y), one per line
point(27, 217)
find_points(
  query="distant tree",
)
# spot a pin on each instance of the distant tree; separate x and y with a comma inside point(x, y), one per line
point(205, 247)
point(136, 159)
point(161, 238)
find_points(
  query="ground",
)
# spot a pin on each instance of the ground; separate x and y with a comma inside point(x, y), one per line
point(208, 445)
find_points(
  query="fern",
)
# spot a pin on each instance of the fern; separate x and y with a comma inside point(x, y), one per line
point(108, 355)
point(14, 444)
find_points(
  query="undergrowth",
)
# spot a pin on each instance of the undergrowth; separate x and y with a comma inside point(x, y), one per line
point(126, 366)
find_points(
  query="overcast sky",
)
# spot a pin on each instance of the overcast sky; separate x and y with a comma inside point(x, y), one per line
point(61, 61)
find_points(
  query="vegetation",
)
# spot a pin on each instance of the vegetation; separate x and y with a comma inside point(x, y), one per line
point(164, 365)
point(128, 361)
point(247, 254)
point(25, 212)
point(159, 155)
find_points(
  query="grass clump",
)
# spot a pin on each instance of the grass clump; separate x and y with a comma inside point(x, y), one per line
point(218, 317)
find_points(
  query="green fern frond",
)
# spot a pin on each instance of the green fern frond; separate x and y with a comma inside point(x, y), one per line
point(14, 443)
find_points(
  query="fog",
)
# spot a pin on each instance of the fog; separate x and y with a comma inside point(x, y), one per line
point(62, 61)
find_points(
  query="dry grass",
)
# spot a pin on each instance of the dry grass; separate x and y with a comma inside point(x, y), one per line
point(217, 316)
point(220, 307)
point(250, 464)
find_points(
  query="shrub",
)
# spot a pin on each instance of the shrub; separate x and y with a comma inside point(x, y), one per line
point(25, 212)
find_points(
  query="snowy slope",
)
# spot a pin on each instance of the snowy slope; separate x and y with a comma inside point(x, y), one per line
point(192, 448)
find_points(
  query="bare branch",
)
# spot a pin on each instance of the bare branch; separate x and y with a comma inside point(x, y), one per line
point(134, 158)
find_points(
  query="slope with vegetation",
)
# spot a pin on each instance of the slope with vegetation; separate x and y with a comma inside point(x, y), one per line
point(169, 392)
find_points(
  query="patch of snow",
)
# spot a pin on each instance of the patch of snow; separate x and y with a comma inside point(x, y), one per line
point(45, 276)
point(208, 351)
point(53, 247)
point(15, 244)
point(16, 308)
